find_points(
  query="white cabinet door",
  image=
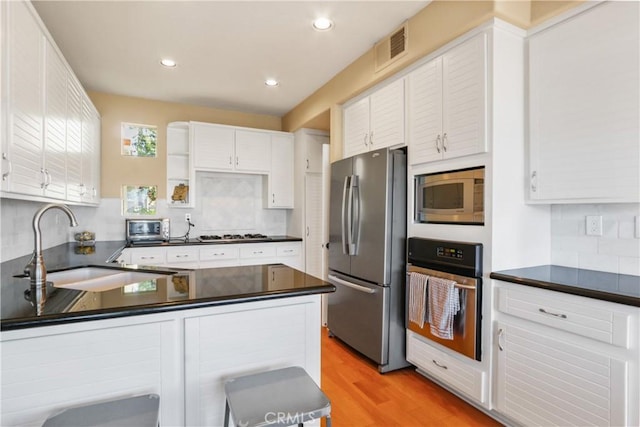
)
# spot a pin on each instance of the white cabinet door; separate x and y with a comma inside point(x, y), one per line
point(464, 86)
point(253, 151)
point(74, 140)
point(313, 238)
point(313, 152)
point(213, 146)
point(584, 104)
point(280, 187)
point(148, 256)
point(25, 67)
point(542, 380)
point(356, 128)
point(55, 126)
point(425, 113)
point(447, 105)
point(90, 154)
point(387, 116)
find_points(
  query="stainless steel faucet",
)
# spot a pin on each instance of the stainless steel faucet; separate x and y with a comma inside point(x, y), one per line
point(36, 269)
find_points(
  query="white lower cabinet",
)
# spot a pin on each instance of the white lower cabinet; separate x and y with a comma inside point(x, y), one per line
point(565, 360)
point(183, 356)
point(461, 375)
point(547, 381)
point(212, 256)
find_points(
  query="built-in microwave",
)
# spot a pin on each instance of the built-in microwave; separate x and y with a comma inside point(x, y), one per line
point(147, 230)
point(451, 197)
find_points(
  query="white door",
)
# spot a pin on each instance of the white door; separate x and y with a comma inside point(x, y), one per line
point(281, 177)
point(74, 141)
point(356, 128)
point(253, 151)
point(313, 237)
point(213, 146)
point(387, 116)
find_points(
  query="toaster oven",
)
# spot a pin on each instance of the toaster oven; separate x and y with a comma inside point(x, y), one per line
point(147, 230)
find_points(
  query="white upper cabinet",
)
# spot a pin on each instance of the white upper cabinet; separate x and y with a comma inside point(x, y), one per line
point(213, 146)
point(584, 107)
point(280, 185)
point(226, 148)
point(447, 112)
point(43, 144)
point(180, 173)
point(375, 121)
point(253, 151)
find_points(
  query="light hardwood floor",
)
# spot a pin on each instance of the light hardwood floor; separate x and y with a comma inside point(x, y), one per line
point(361, 397)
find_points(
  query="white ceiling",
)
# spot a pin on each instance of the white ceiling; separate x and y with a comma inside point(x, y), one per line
point(224, 49)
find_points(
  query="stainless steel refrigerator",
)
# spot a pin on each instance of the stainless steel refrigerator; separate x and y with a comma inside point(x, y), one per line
point(367, 255)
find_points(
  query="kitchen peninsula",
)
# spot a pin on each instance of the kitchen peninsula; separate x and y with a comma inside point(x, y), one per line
point(180, 336)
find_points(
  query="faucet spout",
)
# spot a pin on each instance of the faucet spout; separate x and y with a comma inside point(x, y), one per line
point(36, 269)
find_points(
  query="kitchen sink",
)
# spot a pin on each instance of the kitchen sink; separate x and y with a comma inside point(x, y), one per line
point(97, 279)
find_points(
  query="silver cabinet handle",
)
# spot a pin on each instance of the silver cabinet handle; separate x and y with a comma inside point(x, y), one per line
point(371, 138)
point(439, 365)
point(95, 192)
point(500, 333)
point(562, 316)
point(273, 197)
point(7, 173)
point(444, 142)
point(48, 176)
point(307, 164)
point(182, 256)
point(237, 160)
point(288, 251)
point(257, 252)
point(365, 140)
point(230, 160)
point(147, 257)
point(534, 181)
point(351, 285)
point(307, 231)
point(43, 184)
point(438, 143)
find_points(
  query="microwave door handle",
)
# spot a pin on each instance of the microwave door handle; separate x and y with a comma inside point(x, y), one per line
point(343, 219)
point(354, 235)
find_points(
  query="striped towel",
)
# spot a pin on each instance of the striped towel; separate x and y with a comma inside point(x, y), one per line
point(417, 298)
point(444, 303)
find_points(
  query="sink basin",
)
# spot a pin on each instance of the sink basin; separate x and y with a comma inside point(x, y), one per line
point(96, 279)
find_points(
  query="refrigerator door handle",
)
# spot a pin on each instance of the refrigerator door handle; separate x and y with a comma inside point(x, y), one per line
point(351, 285)
point(354, 235)
point(343, 219)
point(350, 250)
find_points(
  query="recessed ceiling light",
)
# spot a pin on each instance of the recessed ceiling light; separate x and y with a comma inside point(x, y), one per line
point(271, 82)
point(170, 63)
point(322, 24)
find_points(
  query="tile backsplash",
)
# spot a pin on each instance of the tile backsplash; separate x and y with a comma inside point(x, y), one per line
point(225, 203)
point(616, 251)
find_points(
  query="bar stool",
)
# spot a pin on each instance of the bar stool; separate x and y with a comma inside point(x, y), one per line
point(139, 411)
point(278, 398)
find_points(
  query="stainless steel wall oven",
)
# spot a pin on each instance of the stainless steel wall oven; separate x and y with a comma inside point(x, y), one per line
point(461, 263)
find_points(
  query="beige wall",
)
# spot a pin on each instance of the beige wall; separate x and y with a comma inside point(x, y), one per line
point(118, 170)
point(437, 24)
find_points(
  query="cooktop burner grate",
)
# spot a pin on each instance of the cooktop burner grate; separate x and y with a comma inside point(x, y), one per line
point(233, 237)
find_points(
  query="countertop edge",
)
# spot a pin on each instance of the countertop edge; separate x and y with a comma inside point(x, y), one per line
point(567, 289)
point(84, 316)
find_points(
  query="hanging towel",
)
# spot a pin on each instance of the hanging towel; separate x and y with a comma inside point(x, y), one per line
point(418, 298)
point(444, 303)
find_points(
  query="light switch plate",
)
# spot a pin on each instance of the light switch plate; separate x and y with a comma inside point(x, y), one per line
point(594, 225)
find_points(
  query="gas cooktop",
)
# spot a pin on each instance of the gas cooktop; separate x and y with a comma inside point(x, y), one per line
point(234, 237)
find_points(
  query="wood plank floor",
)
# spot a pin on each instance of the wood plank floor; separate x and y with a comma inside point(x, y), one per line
point(361, 397)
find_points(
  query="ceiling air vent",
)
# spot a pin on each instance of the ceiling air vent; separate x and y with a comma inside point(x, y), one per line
point(389, 49)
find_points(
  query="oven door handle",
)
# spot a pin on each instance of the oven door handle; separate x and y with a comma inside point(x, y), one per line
point(351, 285)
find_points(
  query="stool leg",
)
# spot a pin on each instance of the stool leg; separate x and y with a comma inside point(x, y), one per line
point(328, 421)
point(226, 413)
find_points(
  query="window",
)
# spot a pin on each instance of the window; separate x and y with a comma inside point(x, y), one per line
point(139, 199)
point(139, 140)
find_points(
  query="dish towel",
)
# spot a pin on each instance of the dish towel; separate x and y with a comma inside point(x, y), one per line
point(444, 303)
point(418, 298)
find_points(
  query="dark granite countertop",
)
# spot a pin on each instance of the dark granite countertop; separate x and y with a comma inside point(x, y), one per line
point(618, 288)
point(195, 241)
point(177, 290)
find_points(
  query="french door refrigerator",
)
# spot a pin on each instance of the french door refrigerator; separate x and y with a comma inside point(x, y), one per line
point(367, 255)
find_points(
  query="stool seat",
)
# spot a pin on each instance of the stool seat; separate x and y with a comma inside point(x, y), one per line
point(139, 411)
point(277, 398)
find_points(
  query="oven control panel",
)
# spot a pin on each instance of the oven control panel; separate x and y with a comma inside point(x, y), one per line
point(463, 258)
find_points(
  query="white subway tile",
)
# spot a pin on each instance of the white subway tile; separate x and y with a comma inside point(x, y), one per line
point(563, 227)
point(567, 259)
point(619, 247)
point(628, 265)
point(581, 244)
point(590, 261)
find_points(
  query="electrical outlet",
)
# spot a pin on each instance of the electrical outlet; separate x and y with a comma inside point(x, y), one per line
point(594, 225)
point(187, 217)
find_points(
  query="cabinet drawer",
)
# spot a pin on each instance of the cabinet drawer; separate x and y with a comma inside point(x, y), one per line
point(288, 250)
point(185, 255)
point(257, 251)
point(568, 313)
point(149, 256)
point(453, 372)
point(219, 252)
